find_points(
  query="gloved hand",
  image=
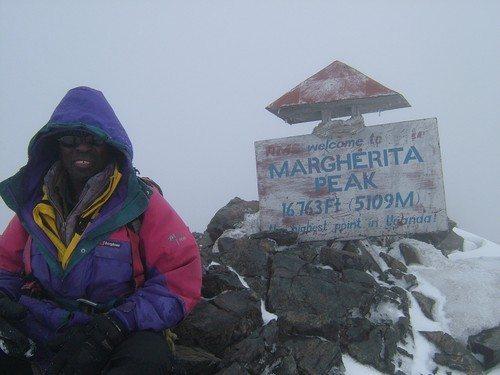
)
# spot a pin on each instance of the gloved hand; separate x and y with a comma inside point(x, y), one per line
point(11, 311)
point(86, 349)
point(12, 341)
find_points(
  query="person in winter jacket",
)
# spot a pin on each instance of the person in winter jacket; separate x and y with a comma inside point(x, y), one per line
point(95, 264)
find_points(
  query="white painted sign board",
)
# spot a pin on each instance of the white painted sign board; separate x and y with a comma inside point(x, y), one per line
point(383, 180)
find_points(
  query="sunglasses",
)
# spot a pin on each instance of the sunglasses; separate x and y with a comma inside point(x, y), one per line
point(71, 141)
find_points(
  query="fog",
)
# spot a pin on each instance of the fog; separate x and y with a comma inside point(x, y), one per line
point(190, 82)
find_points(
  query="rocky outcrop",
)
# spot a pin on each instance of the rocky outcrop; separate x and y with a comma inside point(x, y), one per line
point(447, 241)
point(272, 305)
point(230, 215)
point(452, 354)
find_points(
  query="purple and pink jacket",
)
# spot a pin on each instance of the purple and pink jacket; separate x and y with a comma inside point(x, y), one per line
point(148, 280)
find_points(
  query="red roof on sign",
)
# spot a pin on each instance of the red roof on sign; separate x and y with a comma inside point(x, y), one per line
point(338, 88)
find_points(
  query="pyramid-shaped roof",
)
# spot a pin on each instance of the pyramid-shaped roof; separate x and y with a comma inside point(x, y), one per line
point(338, 88)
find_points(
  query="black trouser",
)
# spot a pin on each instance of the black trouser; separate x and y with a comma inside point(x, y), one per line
point(143, 352)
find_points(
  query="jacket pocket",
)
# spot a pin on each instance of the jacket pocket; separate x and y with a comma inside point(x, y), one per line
point(112, 272)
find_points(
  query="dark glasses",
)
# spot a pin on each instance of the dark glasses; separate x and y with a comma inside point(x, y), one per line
point(71, 141)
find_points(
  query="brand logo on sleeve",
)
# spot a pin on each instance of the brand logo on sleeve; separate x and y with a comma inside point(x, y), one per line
point(177, 238)
point(110, 244)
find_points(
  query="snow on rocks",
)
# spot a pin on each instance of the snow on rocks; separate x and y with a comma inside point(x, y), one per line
point(275, 306)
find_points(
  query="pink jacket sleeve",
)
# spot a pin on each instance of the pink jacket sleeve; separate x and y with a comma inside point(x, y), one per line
point(173, 271)
point(12, 243)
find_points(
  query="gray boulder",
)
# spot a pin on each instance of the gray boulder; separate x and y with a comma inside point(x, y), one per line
point(218, 279)
point(216, 324)
point(426, 304)
point(487, 343)
point(247, 256)
point(313, 356)
point(447, 241)
point(378, 349)
point(230, 215)
point(301, 295)
point(282, 237)
point(409, 253)
point(452, 354)
point(256, 351)
point(194, 361)
point(393, 262)
point(340, 260)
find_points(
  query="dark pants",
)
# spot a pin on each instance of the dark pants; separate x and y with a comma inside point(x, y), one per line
point(144, 352)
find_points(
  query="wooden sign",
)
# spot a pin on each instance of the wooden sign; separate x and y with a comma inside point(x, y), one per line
point(383, 180)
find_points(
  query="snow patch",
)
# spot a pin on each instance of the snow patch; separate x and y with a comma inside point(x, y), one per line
point(266, 315)
point(375, 251)
point(384, 312)
point(250, 225)
point(475, 247)
point(323, 267)
point(242, 280)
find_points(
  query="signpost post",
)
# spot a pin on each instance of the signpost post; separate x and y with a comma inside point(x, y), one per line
point(336, 184)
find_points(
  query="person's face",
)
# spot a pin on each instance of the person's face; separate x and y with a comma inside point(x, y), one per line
point(83, 155)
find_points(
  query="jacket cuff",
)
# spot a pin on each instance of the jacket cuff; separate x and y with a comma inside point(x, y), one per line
point(125, 314)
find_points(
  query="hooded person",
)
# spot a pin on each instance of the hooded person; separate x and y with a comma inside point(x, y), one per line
point(95, 261)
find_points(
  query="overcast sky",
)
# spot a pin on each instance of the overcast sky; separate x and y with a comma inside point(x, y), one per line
point(190, 80)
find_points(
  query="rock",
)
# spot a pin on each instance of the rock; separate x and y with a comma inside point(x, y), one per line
point(255, 351)
point(402, 300)
point(286, 366)
point(203, 240)
point(310, 300)
point(282, 237)
point(338, 245)
point(234, 369)
point(218, 279)
point(394, 273)
point(230, 215)
point(377, 349)
point(404, 352)
point(360, 247)
point(409, 253)
point(314, 356)
point(452, 354)
point(247, 256)
point(452, 242)
point(411, 281)
point(447, 241)
point(426, 304)
point(205, 244)
point(487, 343)
point(359, 277)
point(194, 361)
point(339, 260)
point(356, 330)
point(307, 251)
point(393, 262)
point(216, 324)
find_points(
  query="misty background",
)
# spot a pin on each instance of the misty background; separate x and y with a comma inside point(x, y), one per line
point(190, 81)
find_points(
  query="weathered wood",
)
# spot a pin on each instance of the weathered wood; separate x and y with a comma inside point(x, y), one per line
point(335, 91)
point(384, 180)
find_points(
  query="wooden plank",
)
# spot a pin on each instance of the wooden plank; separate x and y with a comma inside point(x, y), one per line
point(384, 180)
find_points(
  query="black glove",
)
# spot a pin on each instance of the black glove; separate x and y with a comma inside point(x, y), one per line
point(86, 349)
point(11, 311)
point(12, 341)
